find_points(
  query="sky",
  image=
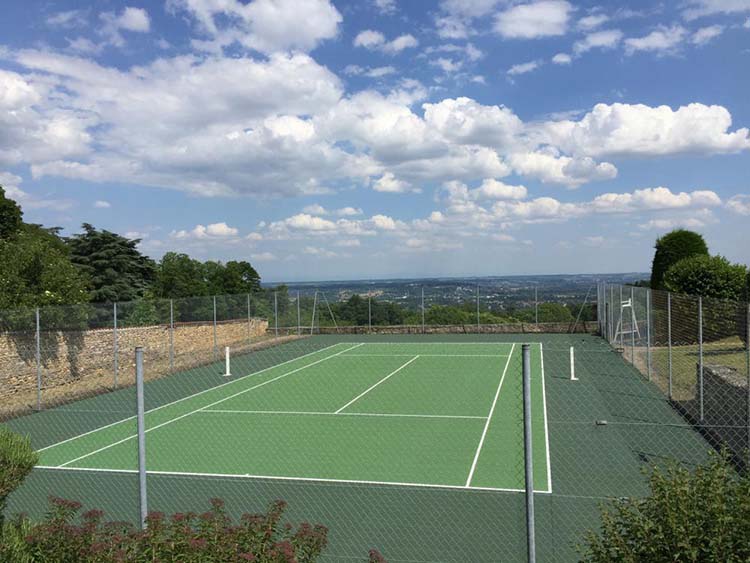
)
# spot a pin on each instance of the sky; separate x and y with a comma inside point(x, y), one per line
point(324, 139)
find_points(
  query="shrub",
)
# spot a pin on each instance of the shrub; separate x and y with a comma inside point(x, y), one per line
point(17, 459)
point(698, 516)
point(707, 276)
point(670, 249)
point(208, 537)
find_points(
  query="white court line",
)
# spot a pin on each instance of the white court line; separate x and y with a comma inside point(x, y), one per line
point(546, 429)
point(316, 413)
point(170, 421)
point(285, 478)
point(394, 372)
point(185, 398)
point(489, 419)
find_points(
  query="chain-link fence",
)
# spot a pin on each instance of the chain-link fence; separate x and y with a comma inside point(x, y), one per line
point(695, 350)
point(428, 447)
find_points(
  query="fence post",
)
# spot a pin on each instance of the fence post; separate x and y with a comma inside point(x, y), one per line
point(632, 328)
point(528, 455)
point(700, 356)
point(312, 319)
point(612, 314)
point(747, 372)
point(216, 342)
point(116, 346)
point(478, 323)
point(648, 333)
point(276, 313)
point(141, 435)
point(299, 317)
point(423, 326)
point(621, 322)
point(249, 323)
point(669, 342)
point(171, 335)
point(38, 338)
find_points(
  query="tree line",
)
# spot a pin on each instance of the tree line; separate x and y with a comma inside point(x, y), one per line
point(39, 267)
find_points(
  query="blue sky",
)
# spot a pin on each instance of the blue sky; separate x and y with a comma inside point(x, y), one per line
point(326, 139)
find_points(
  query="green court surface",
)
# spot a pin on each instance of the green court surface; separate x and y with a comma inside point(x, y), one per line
point(412, 444)
point(424, 414)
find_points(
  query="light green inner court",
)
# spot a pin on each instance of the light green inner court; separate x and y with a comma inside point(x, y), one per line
point(432, 414)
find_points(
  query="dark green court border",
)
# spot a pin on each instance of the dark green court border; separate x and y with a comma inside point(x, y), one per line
point(590, 464)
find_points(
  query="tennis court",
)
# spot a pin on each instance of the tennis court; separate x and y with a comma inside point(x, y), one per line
point(433, 414)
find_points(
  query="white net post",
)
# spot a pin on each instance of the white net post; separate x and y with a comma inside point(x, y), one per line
point(227, 367)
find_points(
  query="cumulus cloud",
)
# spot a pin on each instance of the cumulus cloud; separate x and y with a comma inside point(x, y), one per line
point(131, 19)
point(264, 25)
point(592, 21)
point(663, 40)
point(606, 39)
point(674, 223)
point(385, 6)
point(706, 34)
point(640, 130)
point(390, 184)
point(375, 40)
point(523, 68)
point(739, 204)
point(101, 204)
point(544, 18)
point(207, 232)
point(562, 59)
point(698, 8)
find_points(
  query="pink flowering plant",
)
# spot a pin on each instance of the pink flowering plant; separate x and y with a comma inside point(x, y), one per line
point(66, 536)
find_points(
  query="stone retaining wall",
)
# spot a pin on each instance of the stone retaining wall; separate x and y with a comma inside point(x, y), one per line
point(725, 408)
point(77, 363)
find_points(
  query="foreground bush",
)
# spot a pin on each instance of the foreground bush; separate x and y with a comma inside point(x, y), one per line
point(703, 516)
point(17, 459)
point(211, 537)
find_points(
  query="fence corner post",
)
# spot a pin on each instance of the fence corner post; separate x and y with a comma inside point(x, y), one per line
point(700, 358)
point(141, 435)
point(38, 354)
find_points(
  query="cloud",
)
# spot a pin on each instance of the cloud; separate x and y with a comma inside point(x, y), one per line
point(376, 41)
point(134, 19)
point(101, 204)
point(606, 39)
point(699, 8)
point(447, 65)
point(706, 34)
point(376, 72)
point(266, 26)
point(587, 23)
point(131, 19)
point(544, 18)
point(390, 184)
point(654, 199)
point(562, 59)
point(263, 257)
point(739, 204)
point(663, 40)
point(492, 189)
point(68, 19)
point(386, 7)
point(523, 68)
point(316, 209)
point(640, 130)
point(203, 232)
point(670, 224)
